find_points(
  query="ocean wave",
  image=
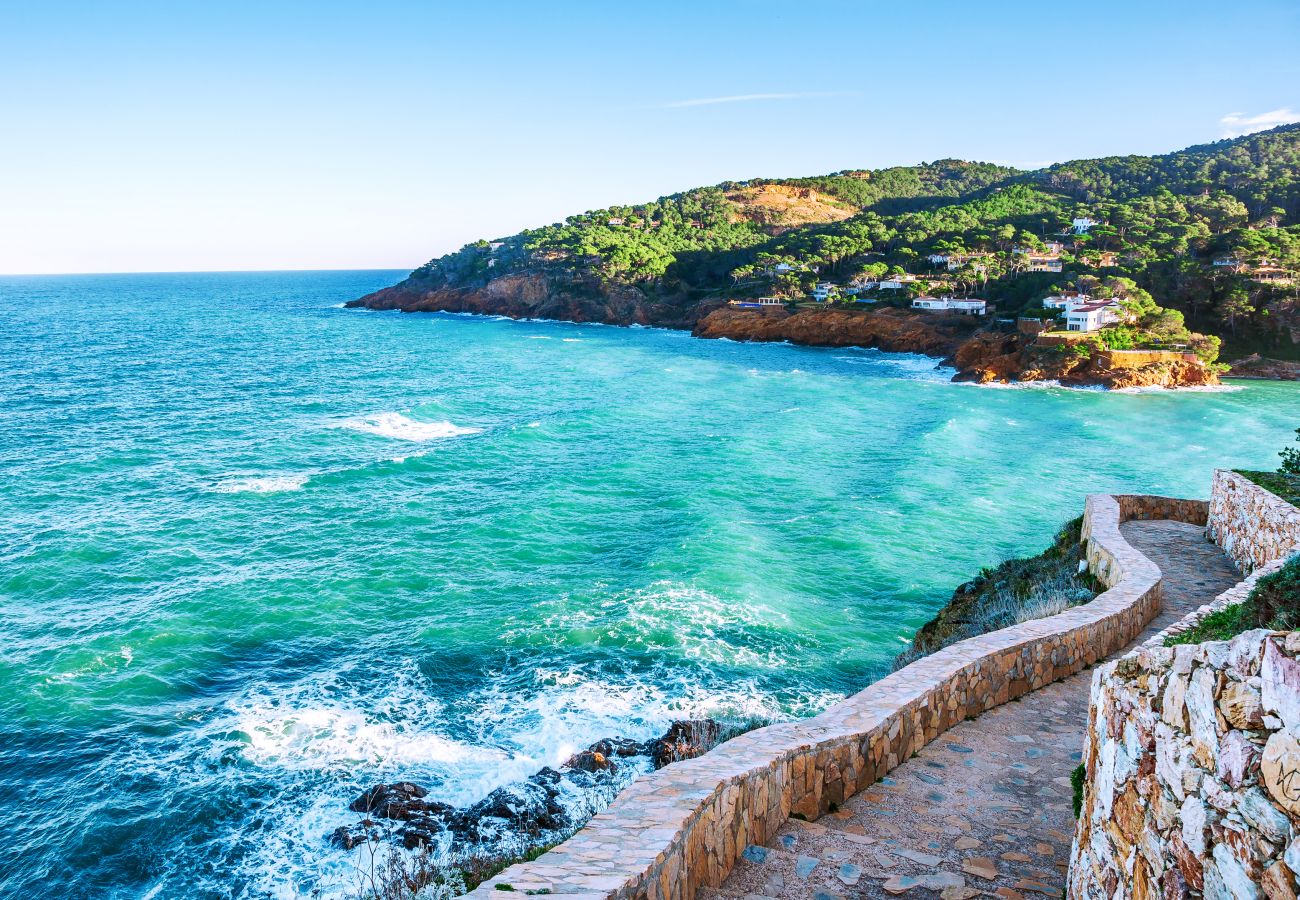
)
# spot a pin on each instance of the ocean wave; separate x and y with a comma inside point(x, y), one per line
point(262, 484)
point(400, 427)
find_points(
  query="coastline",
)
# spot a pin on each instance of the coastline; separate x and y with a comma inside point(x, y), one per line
point(978, 351)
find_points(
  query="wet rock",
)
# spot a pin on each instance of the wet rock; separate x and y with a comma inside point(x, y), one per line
point(346, 837)
point(401, 800)
point(589, 761)
point(685, 739)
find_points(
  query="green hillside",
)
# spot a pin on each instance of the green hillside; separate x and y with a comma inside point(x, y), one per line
point(1161, 221)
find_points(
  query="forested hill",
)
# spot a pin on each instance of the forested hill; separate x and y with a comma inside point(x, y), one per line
point(1161, 221)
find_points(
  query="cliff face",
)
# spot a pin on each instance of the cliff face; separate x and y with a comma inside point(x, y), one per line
point(894, 330)
point(979, 354)
point(999, 357)
point(535, 296)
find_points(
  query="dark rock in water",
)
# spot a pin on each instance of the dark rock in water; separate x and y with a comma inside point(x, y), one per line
point(540, 809)
point(400, 791)
point(402, 800)
point(617, 747)
point(348, 836)
point(685, 739)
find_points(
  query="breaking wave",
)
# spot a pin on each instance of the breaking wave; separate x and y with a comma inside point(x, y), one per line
point(402, 428)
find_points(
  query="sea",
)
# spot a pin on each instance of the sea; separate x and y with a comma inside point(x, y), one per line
point(259, 552)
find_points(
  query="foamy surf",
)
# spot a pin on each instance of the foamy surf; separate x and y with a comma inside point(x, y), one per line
point(263, 484)
point(402, 428)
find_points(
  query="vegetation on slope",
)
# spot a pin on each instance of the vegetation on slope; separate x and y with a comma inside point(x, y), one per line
point(1016, 590)
point(1161, 222)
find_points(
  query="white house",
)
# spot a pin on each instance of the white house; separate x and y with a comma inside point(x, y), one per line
point(938, 259)
point(1092, 316)
point(494, 246)
point(1082, 224)
point(1226, 261)
point(1066, 302)
point(822, 292)
point(969, 307)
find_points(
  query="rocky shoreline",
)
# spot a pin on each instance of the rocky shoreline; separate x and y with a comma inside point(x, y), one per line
point(978, 352)
point(540, 810)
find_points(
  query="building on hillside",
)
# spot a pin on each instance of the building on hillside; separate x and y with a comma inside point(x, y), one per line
point(494, 246)
point(1093, 316)
point(938, 259)
point(823, 291)
point(492, 263)
point(1225, 262)
point(964, 306)
point(614, 222)
point(1042, 262)
point(957, 260)
point(1272, 275)
point(1101, 259)
point(1054, 248)
point(1081, 224)
point(1065, 301)
point(760, 303)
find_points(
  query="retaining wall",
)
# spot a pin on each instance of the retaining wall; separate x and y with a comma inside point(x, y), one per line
point(1193, 752)
point(1252, 525)
point(684, 826)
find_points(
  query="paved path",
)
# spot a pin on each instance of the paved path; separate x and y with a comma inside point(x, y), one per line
point(985, 808)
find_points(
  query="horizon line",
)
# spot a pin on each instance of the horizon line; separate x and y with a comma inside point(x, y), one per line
point(208, 271)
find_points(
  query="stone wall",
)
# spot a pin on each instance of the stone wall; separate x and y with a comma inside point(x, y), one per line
point(1193, 763)
point(684, 826)
point(1193, 752)
point(1136, 359)
point(1252, 525)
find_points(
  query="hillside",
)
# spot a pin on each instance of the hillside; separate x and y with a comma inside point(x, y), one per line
point(1206, 240)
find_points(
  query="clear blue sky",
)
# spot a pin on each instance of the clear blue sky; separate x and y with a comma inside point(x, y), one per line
point(232, 135)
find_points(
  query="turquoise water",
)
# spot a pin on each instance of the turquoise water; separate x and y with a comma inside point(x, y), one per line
point(259, 551)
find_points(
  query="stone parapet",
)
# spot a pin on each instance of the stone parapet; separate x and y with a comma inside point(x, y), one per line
point(1252, 525)
point(683, 827)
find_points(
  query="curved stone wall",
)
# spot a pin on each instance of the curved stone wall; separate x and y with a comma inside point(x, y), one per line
point(685, 825)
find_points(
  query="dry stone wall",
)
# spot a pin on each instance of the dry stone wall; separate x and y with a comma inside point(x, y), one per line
point(1193, 763)
point(684, 826)
point(1192, 752)
point(1252, 525)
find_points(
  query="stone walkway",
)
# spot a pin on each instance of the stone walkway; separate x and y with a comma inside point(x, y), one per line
point(987, 807)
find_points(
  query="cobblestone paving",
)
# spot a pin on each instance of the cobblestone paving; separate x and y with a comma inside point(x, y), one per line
point(985, 808)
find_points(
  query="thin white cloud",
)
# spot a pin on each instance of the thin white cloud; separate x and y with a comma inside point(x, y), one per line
point(1236, 124)
point(750, 98)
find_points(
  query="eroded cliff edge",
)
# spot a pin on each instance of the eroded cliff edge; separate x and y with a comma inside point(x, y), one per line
point(978, 351)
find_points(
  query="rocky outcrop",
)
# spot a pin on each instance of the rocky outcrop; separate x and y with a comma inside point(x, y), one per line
point(992, 356)
point(895, 330)
point(537, 295)
point(1256, 366)
point(544, 807)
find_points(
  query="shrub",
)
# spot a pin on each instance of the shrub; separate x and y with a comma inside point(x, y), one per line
point(1290, 458)
point(1077, 778)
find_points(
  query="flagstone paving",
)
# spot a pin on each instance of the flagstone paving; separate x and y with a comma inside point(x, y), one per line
point(984, 809)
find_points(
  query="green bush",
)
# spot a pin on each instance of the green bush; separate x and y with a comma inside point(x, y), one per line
point(1290, 458)
point(1077, 778)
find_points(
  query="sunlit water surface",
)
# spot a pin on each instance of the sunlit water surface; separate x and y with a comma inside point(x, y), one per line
point(258, 551)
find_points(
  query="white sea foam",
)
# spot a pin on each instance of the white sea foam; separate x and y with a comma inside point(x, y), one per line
point(263, 484)
point(571, 340)
point(400, 427)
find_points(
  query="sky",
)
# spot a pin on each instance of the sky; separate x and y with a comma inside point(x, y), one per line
point(327, 135)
